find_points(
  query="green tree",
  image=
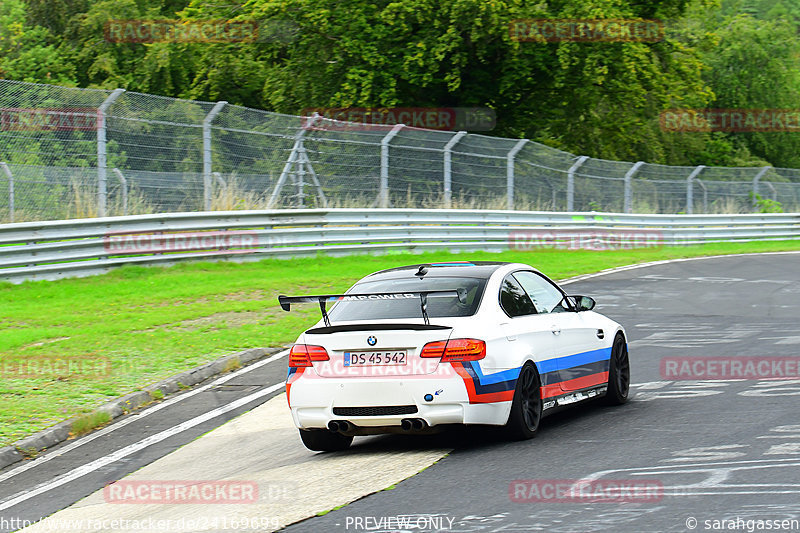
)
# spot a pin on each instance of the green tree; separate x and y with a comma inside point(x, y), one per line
point(751, 63)
point(597, 98)
point(26, 53)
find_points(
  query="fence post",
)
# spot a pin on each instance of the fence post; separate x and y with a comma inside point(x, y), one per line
point(628, 194)
point(755, 183)
point(299, 178)
point(571, 182)
point(690, 188)
point(448, 167)
point(510, 172)
point(383, 193)
point(207, 153)
point(101, 150)
point(10, 177)
point(124, 184)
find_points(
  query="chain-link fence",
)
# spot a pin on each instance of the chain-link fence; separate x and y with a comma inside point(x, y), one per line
point(77, 153)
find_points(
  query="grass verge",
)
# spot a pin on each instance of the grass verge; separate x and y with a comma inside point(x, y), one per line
point(68, 346)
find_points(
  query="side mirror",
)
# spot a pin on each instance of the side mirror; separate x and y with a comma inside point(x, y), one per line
point(584, 303)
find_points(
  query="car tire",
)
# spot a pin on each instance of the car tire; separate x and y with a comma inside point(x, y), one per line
point(323, 440)
point(526, 408)
point(619, 373)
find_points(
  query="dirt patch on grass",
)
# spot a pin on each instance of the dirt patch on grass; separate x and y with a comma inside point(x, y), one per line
point(241, 296)
point(226, 319)
point(8, 324)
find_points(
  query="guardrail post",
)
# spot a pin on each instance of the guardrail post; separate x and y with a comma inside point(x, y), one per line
point(755, 183)
point(101, 150)
point(207, 153)
point(383, 192)
point(124, 184)
point(628, 194)
point(690, 188)
point(10, 177)
point(512, 154)
point(448, 176)
point(571, 182)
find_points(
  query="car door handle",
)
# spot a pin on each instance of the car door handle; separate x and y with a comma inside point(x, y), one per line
point(556, 330)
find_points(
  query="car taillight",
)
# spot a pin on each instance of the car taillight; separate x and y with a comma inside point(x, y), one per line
point(455, 350)
point(304, 354)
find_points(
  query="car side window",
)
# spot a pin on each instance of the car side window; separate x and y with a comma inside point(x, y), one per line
point(514, 300)
point(545, 297)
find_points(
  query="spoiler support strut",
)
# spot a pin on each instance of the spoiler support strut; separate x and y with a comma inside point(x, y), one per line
point(324, 312)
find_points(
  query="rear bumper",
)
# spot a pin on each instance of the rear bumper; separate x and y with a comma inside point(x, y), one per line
point(313, 400)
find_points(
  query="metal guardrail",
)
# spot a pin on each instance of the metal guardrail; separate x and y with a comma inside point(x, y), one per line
point(52, 250)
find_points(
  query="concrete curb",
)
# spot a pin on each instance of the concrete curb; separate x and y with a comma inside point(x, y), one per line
point(60, 432)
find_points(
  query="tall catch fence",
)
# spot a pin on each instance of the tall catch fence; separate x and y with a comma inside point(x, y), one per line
point(82, 153)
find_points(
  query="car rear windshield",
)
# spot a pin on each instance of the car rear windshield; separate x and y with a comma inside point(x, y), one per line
point(444, 305)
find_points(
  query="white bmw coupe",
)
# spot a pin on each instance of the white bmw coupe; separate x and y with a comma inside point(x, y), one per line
point(414, 348)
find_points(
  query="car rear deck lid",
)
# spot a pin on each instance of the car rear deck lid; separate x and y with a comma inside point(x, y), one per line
point(374, 327)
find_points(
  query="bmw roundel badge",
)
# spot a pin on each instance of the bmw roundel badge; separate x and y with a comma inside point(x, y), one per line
point(372, 340)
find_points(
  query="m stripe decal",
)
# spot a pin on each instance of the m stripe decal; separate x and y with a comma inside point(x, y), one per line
point(580, 359)
point(585, 369)
point(294, 375)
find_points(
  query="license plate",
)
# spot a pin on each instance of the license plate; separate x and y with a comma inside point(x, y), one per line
point(385, 358)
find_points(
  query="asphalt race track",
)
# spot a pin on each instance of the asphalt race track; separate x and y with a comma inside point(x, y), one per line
point(714, 455)
point(721, 449)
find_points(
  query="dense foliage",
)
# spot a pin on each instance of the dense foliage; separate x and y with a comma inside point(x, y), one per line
point(597, 98)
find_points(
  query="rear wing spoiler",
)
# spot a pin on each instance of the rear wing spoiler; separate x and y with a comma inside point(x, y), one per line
point(322, 299)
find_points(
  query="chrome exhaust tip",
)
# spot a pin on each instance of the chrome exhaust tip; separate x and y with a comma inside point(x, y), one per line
point(333, 425)
point(406, 424)
point(418, 424)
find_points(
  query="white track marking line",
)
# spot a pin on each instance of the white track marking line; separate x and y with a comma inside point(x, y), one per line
point(138, 416)
point(92, 466)
point(663, 262)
